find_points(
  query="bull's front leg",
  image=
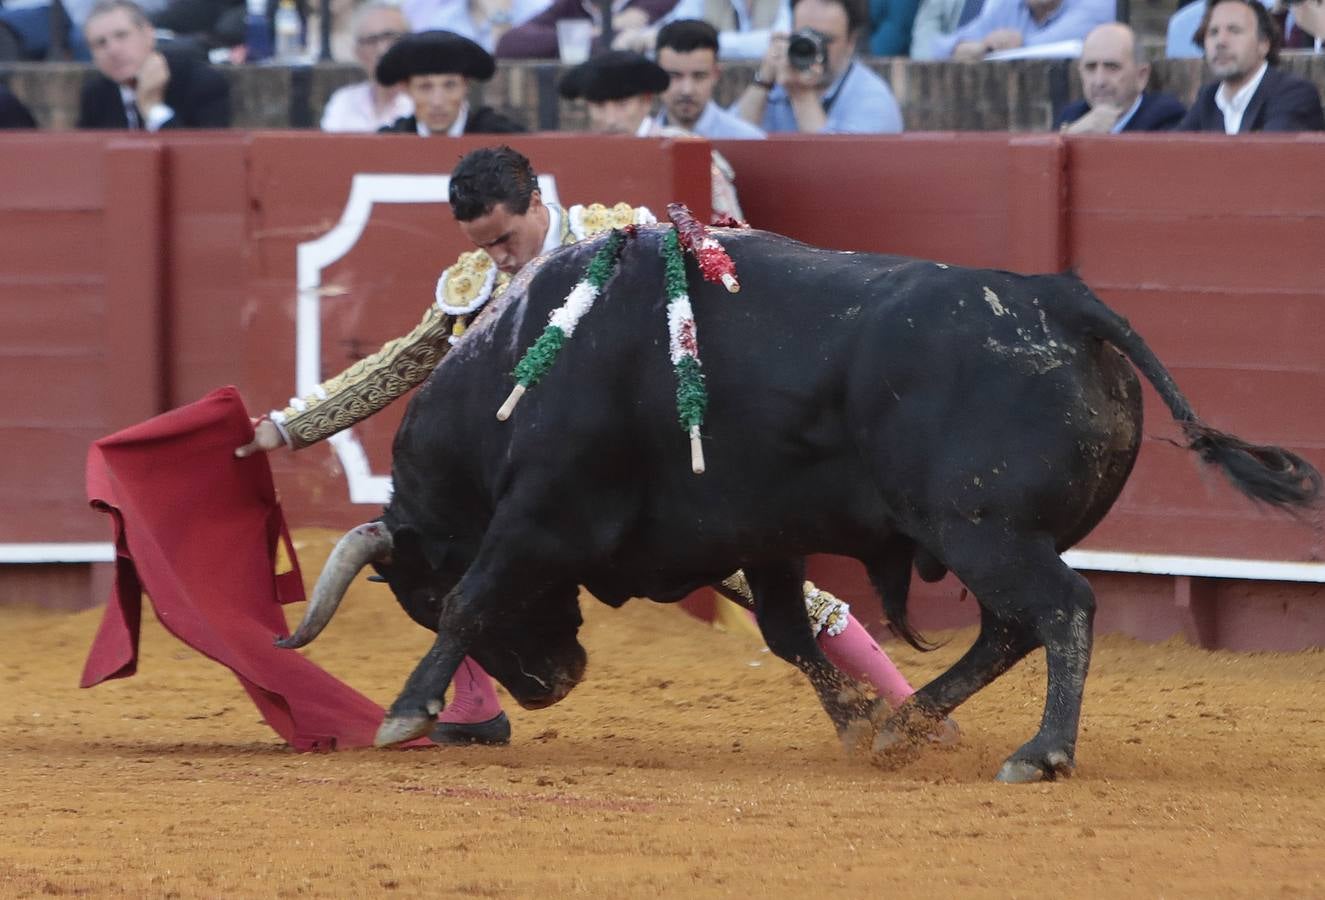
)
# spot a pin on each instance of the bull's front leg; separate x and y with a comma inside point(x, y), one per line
point(413, 713)
point(780, 611)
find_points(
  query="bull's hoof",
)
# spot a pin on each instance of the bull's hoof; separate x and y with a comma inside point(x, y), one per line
point(399, 729)
point(902, 735)
point(946, 733)
point(855, 736)
point(1056, 764)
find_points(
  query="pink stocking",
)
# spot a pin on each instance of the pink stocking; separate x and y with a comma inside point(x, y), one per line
point(473, 699)
point(859, 657)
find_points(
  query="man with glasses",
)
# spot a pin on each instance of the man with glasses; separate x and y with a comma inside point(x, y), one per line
point(367, 106)
point(830, 91)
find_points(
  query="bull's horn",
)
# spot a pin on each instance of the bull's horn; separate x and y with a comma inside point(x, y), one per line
point(368, 543)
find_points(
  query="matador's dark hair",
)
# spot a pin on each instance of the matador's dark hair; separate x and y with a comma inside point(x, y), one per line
point(488, 176)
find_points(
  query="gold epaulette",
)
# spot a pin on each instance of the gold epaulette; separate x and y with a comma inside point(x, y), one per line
point(587, 221)
point(468, 284)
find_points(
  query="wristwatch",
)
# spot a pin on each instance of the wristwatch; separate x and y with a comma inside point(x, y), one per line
point(761, 83)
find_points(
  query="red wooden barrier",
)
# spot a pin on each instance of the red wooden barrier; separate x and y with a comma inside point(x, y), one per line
point(137, 274)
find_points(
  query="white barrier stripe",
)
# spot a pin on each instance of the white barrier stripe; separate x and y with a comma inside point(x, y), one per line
point(1091, 560)
point(57, 553)
point(1195, 566)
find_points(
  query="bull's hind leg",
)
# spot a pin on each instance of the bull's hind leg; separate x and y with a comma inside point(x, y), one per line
point(780, 611)
point(1028, 597)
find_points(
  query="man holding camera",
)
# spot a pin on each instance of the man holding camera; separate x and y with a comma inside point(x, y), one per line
point(810, 81)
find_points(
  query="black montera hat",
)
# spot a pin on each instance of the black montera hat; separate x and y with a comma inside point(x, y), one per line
point(434, 53)
point(614, 75)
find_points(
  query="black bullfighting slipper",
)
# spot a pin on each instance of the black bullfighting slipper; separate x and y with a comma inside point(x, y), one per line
point(496, 730)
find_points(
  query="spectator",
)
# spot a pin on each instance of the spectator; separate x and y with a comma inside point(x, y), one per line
point(936, 18)
point(619, 87)
point(1252, 94)
point(141, 87)
point(688, 52)
point(366, 105)
point(1304, 25)
point(1114, 73)
point(744, 26)
point(13, 114)
point(436, 68)
point(537, 38)
point(28, 25)
point(484, 22)
point(891, 22)
point(835, 94)
point(1006, 24)
point(1180, 38)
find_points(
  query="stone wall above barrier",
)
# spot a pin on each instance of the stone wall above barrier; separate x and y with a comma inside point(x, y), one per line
point(1004, 96)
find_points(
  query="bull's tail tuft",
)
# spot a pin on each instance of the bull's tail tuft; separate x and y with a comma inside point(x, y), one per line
point(1266, 474)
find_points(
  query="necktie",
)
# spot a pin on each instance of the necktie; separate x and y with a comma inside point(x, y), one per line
point(970, 9)
point(131, 113)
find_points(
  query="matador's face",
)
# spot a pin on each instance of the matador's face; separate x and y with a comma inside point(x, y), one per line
point(511, 239)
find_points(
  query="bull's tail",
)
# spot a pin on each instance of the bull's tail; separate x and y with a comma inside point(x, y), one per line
point(1266, 474)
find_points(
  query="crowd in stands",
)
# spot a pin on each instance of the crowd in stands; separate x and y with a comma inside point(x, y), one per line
point(156, 61)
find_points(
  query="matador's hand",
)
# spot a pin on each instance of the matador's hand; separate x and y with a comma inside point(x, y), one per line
point(266, 436)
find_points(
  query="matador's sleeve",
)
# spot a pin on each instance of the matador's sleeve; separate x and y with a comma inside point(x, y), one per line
point(373, 382)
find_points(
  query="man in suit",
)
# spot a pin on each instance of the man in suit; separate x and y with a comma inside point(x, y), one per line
point(13, 114)
point(436, 68)
point(1252, 94)
point(1114, 73)
point(140, 86)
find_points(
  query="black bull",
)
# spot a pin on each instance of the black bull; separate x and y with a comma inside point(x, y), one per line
point(896, 411)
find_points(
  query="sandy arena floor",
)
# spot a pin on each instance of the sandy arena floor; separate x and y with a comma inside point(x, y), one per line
point(689, 763)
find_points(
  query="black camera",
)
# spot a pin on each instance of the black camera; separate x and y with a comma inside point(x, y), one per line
point(806, 48)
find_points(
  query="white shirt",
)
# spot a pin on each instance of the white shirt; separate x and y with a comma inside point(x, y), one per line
point(457, 127)
point(1233, 107)
point(1127, 116)
point(157, 116)
point(350, 109)
point(552, 240)
point(154, 117)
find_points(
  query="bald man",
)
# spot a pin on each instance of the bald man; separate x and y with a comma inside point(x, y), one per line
point(1114, 73)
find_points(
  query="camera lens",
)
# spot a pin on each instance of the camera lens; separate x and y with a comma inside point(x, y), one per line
point(804, 49)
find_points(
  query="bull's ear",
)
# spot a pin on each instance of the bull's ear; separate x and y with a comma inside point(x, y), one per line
point(443, 556)
point(407, 544)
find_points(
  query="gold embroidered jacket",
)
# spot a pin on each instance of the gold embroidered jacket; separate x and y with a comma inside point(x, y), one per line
point(373, 382)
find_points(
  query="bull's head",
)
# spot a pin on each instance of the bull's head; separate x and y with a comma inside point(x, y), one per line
point(530, 647)
point(533, 650)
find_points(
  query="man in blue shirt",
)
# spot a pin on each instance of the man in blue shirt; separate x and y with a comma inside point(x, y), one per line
point(687, 50)
point(1008, 24)
point(834, 94)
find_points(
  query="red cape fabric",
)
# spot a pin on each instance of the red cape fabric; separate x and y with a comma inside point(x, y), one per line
point(198, 530)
